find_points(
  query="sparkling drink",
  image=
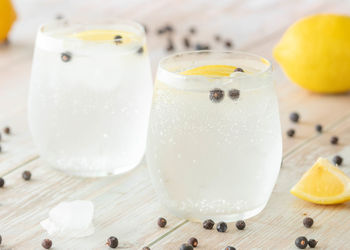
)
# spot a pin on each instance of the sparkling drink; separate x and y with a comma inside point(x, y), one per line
point(90, 96)
point(214, 143)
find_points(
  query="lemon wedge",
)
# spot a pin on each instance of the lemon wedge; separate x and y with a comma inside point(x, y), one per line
point(211, 70)
point(323, 183)
point(104, 35)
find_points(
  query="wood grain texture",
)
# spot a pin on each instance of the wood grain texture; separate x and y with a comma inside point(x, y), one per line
point(126, 206)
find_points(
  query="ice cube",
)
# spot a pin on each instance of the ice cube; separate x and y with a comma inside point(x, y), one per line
point(71, 219)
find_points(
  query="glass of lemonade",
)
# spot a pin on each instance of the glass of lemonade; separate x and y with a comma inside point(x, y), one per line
point(90, 96)
point(214, 143)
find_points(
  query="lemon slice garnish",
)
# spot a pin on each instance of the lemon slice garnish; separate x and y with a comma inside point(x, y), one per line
point(211, 70)
point(323, 183)
point(105, 35)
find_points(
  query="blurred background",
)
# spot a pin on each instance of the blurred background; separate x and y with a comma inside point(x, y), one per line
point(254, 26)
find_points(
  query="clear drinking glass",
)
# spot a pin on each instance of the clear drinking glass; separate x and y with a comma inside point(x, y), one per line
point(209, 155)
point(90, 96)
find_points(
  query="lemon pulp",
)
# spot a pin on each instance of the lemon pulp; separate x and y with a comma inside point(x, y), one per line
point(105, 35)
point(211, 70)
point(323, 183)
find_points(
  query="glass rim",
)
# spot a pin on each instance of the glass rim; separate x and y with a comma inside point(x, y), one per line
point(178, 75)
point(67, 23)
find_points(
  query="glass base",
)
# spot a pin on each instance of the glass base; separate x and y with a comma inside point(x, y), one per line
point(92, 173)
point(232, 217)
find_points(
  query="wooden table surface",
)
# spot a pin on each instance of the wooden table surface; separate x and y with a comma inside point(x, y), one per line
point(126, 206)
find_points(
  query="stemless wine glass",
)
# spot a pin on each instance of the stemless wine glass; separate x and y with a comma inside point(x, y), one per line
point(214, 143)
point(90, 96)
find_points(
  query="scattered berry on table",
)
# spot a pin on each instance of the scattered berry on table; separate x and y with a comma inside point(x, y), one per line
point(291, 132)
point(201, 47)
point(7, 130)
point(26, 175)
point(170, 47)
point(162, 222)
point(193, 242)
point(193, 30)
point(294, 117)
point(334, 140)
point(228, 44)
point(169, 28)
point(112, 242)
point(66, 56)
point(221, 227)
point(216, 95)
point(318, 128)
point(186, 42)
point(2, 182)
point(312, 243)
point(46, 243)
point(337, 160)
point(186, 246)
point(208, 224)
point(308, 222)
point(230, 248)
point(240, 225)
point(301, 242)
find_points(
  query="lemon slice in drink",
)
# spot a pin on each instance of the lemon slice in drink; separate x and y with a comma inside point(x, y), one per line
point(105, 35)
point(323, 183)
point(211, 70)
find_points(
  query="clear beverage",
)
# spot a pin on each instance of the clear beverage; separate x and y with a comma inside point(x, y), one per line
point(214, 159)
point(90, 97)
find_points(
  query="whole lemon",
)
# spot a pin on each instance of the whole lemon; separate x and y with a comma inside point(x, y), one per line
point(7, 17)
point(315, 53)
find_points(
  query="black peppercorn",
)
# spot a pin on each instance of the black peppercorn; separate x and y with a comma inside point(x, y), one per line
point(186, 42)
point(312, 243)
point(66, 56)
point(26, 175)
point(140, 50)
point(208, 224)
point(162, 222)
point(301, 242)
point(291, 132)
point(230, 248)
point(308, 222)
point(186, 246)
point(46, 243)
point(294, 117)
point(238, 70)
point(228, 44)
point(216, 95)
point(112, 242)
point(240, 225)
point(221, 227)
point(334, 140)
point(337, 160)
point(146, 248)
point(234, 94)
point(193, 242)
point(2, 182)
point(318, 128)
point(118, 39)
